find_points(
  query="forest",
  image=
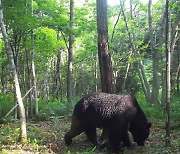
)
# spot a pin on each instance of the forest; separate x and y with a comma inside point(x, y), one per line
point(55, 52)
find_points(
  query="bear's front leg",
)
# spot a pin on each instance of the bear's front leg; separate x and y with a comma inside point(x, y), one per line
point(91, 134)
point(76, 129)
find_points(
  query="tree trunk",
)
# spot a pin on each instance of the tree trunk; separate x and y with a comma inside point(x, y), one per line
point(46, 84)
point(96, 72)
point(9, 52)
point(70, 55)
point(177, 78)
point(28, 78)
point(155, 85)
point(103, 51)
point(33, 67)
point(178, 70)
point(168, 71)
point(139, 64)
point(4, 79)
point(126, 75)
point(57, 80)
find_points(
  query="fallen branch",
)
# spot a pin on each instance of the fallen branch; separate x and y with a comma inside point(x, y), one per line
point(17, 104)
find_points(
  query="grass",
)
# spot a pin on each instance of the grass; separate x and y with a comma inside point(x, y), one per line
point(47, 137)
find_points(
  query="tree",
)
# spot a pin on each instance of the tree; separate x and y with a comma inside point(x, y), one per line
point(70, 54)
point(33, 66)
point(103, 48)
point(9, 52)
point(168, 71)
point(155, 84)
point(57, 78)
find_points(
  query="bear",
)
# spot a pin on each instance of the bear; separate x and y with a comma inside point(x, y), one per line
point(115, 114)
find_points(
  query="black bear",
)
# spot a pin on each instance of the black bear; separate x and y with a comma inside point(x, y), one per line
point(116, 114)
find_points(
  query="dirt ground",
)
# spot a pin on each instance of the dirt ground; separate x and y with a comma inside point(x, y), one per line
point(47, 137)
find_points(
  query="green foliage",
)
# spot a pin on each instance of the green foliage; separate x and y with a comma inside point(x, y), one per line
point(18, 15)
point(3, 58)
point(53, 13)
point(156, 112)
point(175, 106)
point(9, 134)
point(48, 110)
point(46, 42)
point(153, 111)
point(6, 103)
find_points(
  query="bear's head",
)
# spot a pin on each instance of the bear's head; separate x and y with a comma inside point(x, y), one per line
point(140, 133)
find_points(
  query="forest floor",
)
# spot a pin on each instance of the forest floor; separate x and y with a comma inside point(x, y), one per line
point(47, 137)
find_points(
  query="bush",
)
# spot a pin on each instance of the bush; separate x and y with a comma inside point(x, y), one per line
point(156, 112)
point(6, 103)
point(54, 108)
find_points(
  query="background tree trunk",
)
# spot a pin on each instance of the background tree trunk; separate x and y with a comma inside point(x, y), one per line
point(33, 67)
point(139, 64)
point(57, 78)
point(9, 52)
point(155, 84)
point(103, 51)
point(70, 55)
point(168, 71)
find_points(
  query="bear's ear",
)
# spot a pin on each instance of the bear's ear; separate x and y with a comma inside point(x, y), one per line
point(149, 125)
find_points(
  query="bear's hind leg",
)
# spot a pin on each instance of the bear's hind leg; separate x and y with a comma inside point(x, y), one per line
point(104, 138)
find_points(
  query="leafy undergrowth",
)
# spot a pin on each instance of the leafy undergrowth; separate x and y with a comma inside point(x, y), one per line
point(47, 137)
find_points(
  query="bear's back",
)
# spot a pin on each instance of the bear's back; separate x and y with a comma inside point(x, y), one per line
point(103, 106)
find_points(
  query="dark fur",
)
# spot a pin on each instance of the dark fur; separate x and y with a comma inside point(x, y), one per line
point(115, 114)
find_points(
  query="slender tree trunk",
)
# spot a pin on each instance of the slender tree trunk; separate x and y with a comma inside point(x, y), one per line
point(178, 70)
point(9, 52)
point(126, 75)
point(139, 64)
point(28, 78)
point(96, 73)
point(103, 51)
point(155, 85)
point(113, 32)
point(70, 55)
point(3, 79)
point(168, 71)
point(46, 84)
point(57, 79)
point(177, 79)
point(33, 67)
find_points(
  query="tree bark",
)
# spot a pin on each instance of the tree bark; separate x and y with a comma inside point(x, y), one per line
point(57, 80)
point(3, 79)
point(168, 71)
point(178, 69)
point(33, 67)
point(155, 84)
point(9, 52)
point(103, 51)
point(126, 75)
point(70, 55)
